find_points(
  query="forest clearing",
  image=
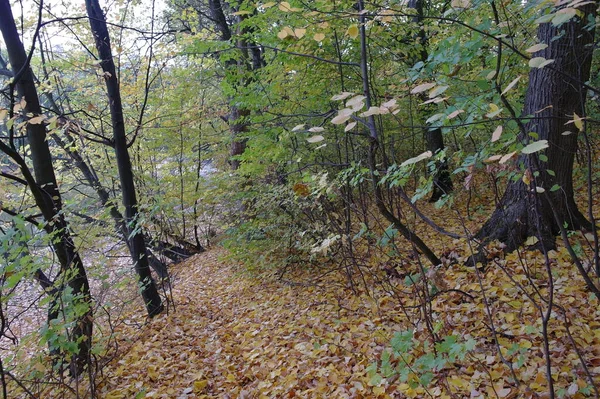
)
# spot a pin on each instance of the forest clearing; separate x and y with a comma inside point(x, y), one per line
point(312, 199)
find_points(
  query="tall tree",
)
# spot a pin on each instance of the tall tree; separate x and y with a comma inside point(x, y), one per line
point(555, 96)
point(44, 188)
point(137, 244)
point(229, 21)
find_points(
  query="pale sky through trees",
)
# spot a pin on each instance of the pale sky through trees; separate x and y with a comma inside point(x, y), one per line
point(62, 34)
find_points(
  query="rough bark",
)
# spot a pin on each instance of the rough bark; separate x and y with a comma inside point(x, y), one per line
point(44, 188)
point(135, 236)
point(555, 93)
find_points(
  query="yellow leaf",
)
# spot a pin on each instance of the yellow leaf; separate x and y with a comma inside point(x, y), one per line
point(494, 111)
point(387, 16)
point(315, 139)
point(319, 37)
point(454, 114)
point(342, 96)
point(497, 133)
point(457, 382)
point(342, 116)
point(350, 126)
point(511, 85)
point(285, 6)
point(153, 373)
point(299, 32)
point(531, 241)
point(371, 111)
point(37, 120)
point(282, 34)
point(537, 47)
point(116, 394)
point(460, 3)
point(268, 5)
point(576, 120)
point(539, 62)
point(507, 157)
point(527, 177)
point(352, 31)
point(493, 158)
point(200, 386)
point(422, 87)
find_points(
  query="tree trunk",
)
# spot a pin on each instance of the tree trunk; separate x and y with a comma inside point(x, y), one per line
point(45, 191)
point(238, 124)
point(442, 181)
point(135, 236)
point(555, 93)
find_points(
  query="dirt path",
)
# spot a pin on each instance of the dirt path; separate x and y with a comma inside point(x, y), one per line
point(233, 336)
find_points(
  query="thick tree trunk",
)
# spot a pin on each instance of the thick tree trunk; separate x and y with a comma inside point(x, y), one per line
point(45, 191)
point(555, 93)
point(135, 236)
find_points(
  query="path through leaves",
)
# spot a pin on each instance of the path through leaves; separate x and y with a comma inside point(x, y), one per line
point(234, 336)
point(238, 336)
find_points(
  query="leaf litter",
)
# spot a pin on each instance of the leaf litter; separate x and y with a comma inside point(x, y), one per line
point(236, 335)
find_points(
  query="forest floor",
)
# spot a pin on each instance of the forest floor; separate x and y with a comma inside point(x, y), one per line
point(234, 335)
point(239, 335)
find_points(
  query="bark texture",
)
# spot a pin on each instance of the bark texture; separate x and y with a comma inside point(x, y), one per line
point(555, 93)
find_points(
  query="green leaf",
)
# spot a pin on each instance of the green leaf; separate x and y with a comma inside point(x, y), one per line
point(426, 379)
point(544, 19)
point(402, 341)
point(563, 15)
